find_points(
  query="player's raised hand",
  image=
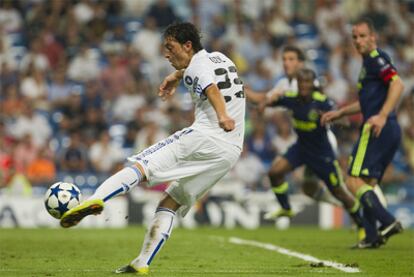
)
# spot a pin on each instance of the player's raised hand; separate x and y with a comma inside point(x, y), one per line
point(169, 85)
point(377, 122)
point(226, 123)
point(330, 116)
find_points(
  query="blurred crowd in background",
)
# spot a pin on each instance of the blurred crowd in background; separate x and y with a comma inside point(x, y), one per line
point(79, 80)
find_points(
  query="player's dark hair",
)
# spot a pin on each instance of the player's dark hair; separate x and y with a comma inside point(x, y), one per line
point(306, 74)
point(183, 32)
point(309, 74)
point(299, 53)
point(365, 20)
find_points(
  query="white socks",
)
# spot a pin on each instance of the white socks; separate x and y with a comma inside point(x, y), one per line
point(119, 183)
point(157, 234)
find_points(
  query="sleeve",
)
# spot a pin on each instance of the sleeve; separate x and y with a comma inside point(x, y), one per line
point(202, 79)
point(279, 87)
point(386, 70)
point(283, 101)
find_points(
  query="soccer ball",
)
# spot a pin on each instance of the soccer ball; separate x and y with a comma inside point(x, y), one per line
point(61, 197)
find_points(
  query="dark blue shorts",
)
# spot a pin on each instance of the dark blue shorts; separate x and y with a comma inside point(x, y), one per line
point(323, 164)
point(372, 155)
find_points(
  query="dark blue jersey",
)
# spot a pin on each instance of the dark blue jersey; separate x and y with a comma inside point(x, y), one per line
point(306, 120)
point(374, 80)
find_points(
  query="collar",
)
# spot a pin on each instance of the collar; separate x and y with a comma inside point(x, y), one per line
point(374, 53)
point(199, 54)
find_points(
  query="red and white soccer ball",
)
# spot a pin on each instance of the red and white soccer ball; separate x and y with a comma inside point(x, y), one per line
point(61, 197)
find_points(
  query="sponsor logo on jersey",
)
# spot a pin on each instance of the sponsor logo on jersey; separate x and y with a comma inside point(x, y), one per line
point(188, 80)
point(313, 115)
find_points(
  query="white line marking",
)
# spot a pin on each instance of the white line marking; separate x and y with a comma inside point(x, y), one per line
point(298, 255)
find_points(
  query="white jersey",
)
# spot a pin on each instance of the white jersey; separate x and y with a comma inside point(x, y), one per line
point(215, 68)
point(283, 85)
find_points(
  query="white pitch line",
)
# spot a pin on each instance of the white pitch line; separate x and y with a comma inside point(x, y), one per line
point(298, 255)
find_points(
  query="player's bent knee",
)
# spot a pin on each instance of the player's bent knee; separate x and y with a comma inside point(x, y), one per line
point(276, 178)
point(310, 187)
point(339, 193)
point(141, 170)
point(169, 203)
point(354, 183)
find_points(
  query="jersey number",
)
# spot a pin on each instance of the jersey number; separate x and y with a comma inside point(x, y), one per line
point(227, 83)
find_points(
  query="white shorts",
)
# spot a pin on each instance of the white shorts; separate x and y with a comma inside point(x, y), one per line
point(193, 162)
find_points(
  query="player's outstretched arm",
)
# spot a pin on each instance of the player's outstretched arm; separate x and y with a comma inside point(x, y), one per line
point(394, 93)
point(253, 96)
point(217, 101)
point(170, 83)
point(337, 114)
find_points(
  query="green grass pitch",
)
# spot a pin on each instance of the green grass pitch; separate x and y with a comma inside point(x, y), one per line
point(198, 252)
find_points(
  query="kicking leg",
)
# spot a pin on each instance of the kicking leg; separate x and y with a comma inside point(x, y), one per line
point(118, 184)
point(157, 234)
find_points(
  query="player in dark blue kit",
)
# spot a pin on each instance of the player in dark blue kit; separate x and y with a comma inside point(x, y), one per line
point(380, 89)
point(312, 147)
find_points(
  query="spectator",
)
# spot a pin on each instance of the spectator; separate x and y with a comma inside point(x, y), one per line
point(128, 102)
point(24, 153)
point(42, 171)
point(249, 169)
point(59, 88)
point(12, 103)
point(148, 40)
point(260, 143)
point(330, 22)
point(336, 88)
point(10, 17)
point(260, 78)
point(33, 86)
point(92, 98)
point(104, 148)
point(6, 57)
point(278, 27)
point(162, 12)
point(150, 134)
point(32, 124)
point(52, 49)
point(84, 11)
point(8, 77)
point(115, 76)
point(6, 157)
point(92, 124)
point(72, 110)
point(74, 158)
point(84, 65)
point(285, 135)
point(376, 13)
point(34, 58)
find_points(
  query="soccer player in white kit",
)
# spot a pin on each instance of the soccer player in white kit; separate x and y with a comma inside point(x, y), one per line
point(192, 159)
